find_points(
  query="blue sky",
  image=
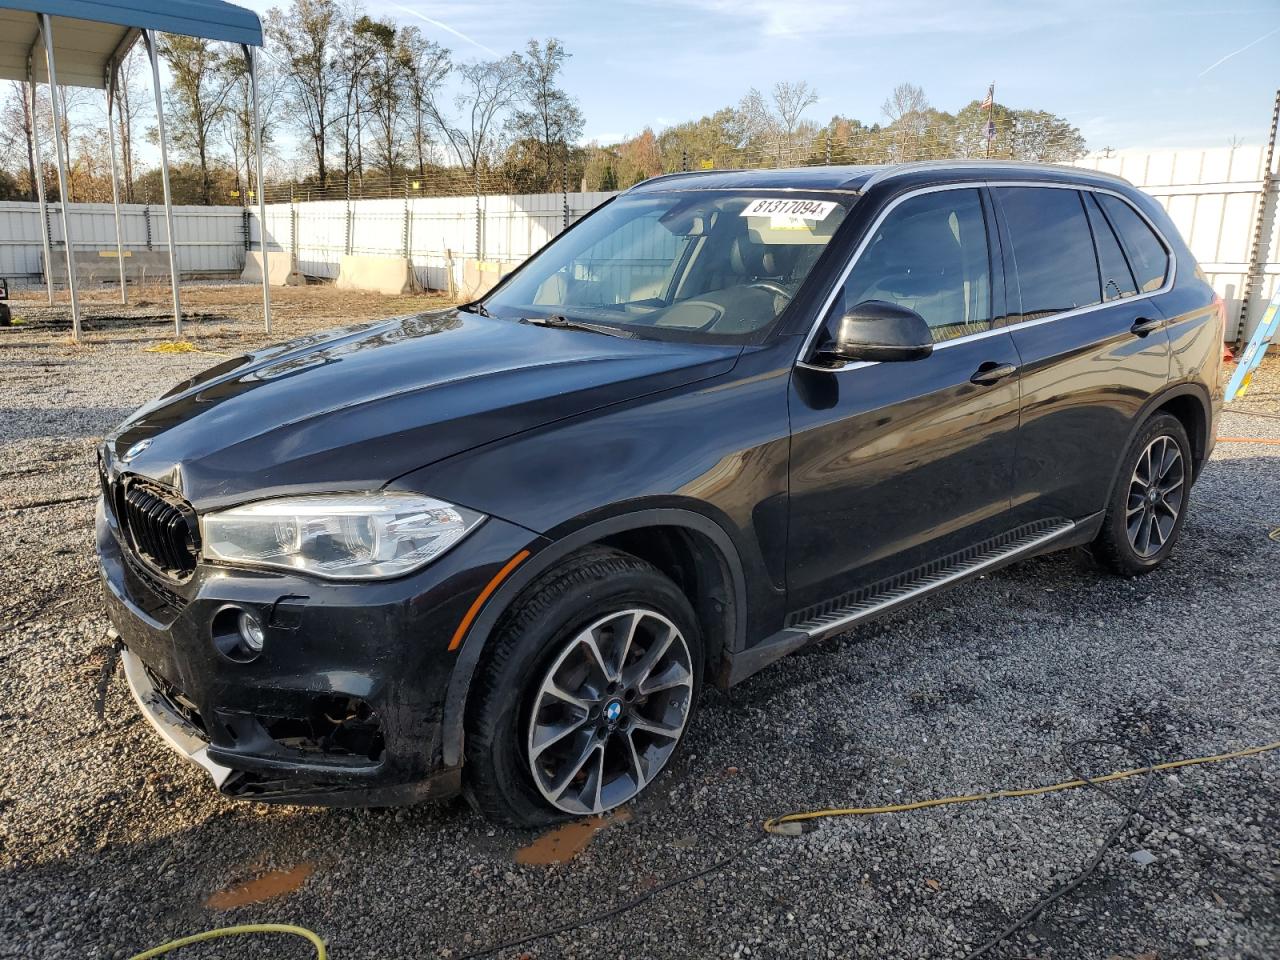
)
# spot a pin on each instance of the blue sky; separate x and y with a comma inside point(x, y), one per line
point(1128, 74)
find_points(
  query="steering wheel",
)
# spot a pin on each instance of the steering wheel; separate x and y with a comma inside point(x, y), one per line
point(772, 286)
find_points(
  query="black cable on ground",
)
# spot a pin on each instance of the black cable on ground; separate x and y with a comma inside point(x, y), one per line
point(1266, 881)
point(623, 907)
point(1132, 810)
point(1071, 885)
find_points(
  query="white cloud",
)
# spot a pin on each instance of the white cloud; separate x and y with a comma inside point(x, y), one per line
point(803, 18)
point(444, 26)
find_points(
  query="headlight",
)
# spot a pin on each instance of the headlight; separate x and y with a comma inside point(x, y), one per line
point(337, 536)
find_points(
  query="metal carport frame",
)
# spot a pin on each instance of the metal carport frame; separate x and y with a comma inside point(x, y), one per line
point(98, 36)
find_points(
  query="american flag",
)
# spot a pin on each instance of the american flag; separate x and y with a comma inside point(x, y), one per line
point(990, 100)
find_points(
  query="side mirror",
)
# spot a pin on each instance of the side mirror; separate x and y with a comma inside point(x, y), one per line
point(879, 330)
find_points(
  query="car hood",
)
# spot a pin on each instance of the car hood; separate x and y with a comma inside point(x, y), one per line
point(355, 408)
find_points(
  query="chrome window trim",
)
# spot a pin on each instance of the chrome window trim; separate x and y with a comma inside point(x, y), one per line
point(1170, 277)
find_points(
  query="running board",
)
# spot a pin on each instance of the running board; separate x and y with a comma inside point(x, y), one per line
point(837, 619)
point(843, 617)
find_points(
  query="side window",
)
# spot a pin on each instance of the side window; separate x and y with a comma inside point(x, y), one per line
point(1117, 278)
point(930, 254)
point(1052, 249)
point(1147, 255)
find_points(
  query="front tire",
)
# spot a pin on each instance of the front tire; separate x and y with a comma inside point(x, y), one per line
point(585, 694)
point(1148, 506)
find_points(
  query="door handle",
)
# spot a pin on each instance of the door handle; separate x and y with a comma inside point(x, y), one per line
point(1144, 325)
point(992, 372)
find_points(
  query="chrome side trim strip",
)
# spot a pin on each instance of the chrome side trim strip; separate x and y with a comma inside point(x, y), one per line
point(1024, 324)
point(838, 620)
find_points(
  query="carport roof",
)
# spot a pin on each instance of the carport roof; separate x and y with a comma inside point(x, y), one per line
point(90, 35)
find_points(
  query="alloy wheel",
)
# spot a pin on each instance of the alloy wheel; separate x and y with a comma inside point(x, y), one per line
point(610, 711)
point(1156, 493)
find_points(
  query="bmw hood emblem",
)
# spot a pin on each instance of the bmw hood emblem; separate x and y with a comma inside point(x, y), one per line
point(136, 449)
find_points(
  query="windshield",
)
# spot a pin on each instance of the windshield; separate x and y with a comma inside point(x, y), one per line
point(713, 265)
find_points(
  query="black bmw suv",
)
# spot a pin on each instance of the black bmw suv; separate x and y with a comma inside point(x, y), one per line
point(500, 549)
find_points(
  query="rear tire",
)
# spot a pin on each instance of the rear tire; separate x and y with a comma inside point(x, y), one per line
point(585, 630)
point(1148, 506)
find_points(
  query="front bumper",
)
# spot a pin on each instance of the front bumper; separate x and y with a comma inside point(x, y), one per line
point(344, 705)
point(183, 736)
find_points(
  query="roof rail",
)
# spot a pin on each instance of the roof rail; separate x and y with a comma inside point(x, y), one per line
point(683, 173)
point(995, 165)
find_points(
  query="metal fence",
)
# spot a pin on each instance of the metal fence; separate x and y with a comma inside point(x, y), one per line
point(1215, 197)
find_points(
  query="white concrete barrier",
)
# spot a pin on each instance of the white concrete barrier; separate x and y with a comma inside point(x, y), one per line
point(378, 274)
point(101, 266)
point(283, 269)
point(481, 276)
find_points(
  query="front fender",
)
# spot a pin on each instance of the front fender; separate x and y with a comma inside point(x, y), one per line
point(481, 630)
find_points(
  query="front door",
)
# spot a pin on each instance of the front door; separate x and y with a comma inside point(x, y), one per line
point(896, 465)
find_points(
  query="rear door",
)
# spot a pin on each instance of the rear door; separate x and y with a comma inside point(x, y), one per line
point(1092, 342)
point(896, 465)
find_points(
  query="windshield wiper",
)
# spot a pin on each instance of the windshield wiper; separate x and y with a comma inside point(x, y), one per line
point(476, 308)
point(564, 323)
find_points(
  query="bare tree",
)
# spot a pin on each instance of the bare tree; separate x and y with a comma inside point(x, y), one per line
point(129, 108)
point(356, 51)
point(17, 133)
point(199, 84)
point(383, 79)
point(237, 119)
point(489, 88)
point(753, 120)
point(908, 112)
point(306, 37)
point(790, 100)
point(906, 100)
point(551, 116)
point(426, 65)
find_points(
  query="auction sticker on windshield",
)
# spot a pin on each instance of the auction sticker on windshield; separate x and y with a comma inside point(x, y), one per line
point(803, 209)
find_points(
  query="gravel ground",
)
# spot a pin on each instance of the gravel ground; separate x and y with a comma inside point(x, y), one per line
point(110, 844)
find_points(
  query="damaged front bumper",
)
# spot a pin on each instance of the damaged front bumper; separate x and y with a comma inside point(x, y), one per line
point(344, 704)
point(166, 716)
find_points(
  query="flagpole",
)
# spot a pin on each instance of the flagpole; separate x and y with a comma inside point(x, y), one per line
point(991, 116)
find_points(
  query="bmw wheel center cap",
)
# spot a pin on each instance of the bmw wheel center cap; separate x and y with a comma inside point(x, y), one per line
point(613, 710)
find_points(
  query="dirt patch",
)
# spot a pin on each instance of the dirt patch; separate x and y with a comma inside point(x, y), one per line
point(272, 884)
point(563, 843)
point(215, 315)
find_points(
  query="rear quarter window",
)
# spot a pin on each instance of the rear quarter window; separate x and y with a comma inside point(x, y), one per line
point(1147, 255)
point(1053, 251)
point(1117, 278)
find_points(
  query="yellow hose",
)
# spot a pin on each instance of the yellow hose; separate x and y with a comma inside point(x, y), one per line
point(774, 825)
point(243, 929)
point(777, 824)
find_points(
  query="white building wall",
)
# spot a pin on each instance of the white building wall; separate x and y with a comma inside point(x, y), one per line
point(210, 239)
point(1214, 197)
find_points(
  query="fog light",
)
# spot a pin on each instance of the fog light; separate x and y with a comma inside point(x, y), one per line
point(251, 631)
point(237, 633)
